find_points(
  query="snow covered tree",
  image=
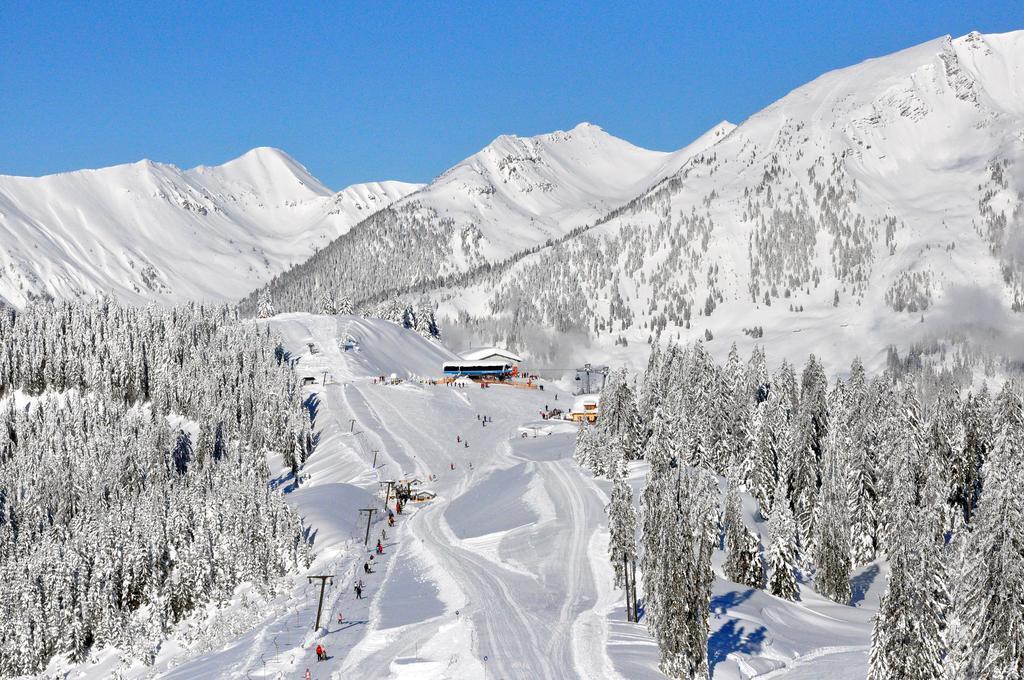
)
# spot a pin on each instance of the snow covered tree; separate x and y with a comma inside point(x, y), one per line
point(771, 451)
point(862, 501)
point(424, 323)
point(621, 523)
point(831, 526)
point(810, 427)
point(782, 558)
point(683, 567)
point(977, 441)
point(743, 563)
point(659, 516)
point(907, 639)
point(619, 419)
point(989, 636)
point(327, 304)
point(343, 304)
point(265, 308)
point(584, 452)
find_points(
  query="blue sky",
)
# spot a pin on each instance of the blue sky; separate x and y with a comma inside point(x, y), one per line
point(368, 91)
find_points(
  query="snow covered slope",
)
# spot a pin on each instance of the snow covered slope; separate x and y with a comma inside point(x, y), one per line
point(833, 221)
point(505, 574)
point(514, 195)
point(151, 232)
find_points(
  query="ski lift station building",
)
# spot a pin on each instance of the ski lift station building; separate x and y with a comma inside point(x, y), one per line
point(585, 408)
point(484, 363)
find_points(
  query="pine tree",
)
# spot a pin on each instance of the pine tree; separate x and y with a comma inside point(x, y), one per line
point(831, 526)
point(343, 305)
point(659, 517)
point(862, 510)
point(619, 419)
point(265, 308)
point(621, 523)
point(743, 563)
point(684, 569)
point(327, 305)
point(907, 639)
point(782, 558)
point(989, 640)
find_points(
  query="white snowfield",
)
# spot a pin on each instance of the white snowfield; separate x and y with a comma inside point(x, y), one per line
point(152, 232)
point(504, 575)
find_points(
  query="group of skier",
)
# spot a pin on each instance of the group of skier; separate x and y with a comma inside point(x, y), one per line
point(402, 494)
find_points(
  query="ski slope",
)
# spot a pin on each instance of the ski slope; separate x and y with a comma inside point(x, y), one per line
point(504, 575)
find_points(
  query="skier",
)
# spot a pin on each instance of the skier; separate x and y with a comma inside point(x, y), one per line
point(308, 676)
point(467, 446)
point(380, 548)
point(359, 592)
point(458, 439)
point(366, 568)
point(319, 653)
point(391, 520)
point(452, 465)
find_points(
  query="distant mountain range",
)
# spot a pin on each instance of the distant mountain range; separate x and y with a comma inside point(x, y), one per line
point(879, 204)
point(153, 232)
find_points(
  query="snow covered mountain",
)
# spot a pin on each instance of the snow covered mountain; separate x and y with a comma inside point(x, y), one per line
point(152, 232)
point(514, 195)
point(844, 215)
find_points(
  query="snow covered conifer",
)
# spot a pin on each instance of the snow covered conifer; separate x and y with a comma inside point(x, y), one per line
point(621, 523)
point(989, 640)
point(265, 307)
point(619, 418)
point(659, 517)
point(343, 305)
point(327, 305)
point(684, 568)
point(907, 639)
point(743, 563)
point(782, 558)
point(831, 527)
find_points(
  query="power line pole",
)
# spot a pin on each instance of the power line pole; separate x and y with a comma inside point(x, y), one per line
point(320, 606)
point(369, 515)
point(351, 424)
point(375, 452)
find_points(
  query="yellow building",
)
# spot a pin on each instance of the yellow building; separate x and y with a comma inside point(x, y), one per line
point(586, 407)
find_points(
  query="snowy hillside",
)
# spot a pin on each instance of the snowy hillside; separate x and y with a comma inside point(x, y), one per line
point(845, 213)
point(504, 574)
point(151, 232)
point(512, 196)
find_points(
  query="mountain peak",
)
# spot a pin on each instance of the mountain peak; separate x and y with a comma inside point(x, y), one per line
point(271, 170)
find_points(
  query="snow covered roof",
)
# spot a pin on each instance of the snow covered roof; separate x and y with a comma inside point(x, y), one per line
point(481, 353)
point(584, 400)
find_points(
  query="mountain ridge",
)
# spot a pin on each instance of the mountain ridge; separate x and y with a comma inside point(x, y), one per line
point(135, 229)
